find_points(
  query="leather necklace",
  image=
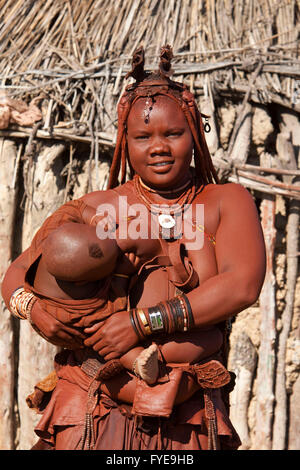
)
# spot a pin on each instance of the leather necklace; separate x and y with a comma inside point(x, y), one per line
point(163, 191)
point(166, 214)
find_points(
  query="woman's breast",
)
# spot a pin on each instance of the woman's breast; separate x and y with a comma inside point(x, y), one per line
point(151, 288)
point(155, 285)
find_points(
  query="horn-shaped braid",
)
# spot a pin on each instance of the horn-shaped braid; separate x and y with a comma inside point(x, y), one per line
point(137, 66)
point(166, 56)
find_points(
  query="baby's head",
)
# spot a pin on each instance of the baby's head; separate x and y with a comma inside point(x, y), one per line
point(159, 111)
point(73, 252)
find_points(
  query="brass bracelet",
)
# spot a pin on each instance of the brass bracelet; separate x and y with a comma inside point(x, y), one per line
point(14, 304)
point(138, 324)
point(144, 321)
point(21, 303)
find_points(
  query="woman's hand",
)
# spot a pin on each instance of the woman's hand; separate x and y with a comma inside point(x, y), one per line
point(53, 330)
point(113, 337)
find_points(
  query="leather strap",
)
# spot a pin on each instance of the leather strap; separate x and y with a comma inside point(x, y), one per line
point(182, 272)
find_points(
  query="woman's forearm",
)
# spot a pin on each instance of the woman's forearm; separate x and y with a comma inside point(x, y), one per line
point(14, 277)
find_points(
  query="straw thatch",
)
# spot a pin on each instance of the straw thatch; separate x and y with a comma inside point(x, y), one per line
point(72, 57)
point(68, 60)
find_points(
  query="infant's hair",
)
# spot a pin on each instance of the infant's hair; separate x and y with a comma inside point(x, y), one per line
point(149, 85)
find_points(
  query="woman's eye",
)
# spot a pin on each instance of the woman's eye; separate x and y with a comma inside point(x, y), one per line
point(141, 137)
point(175, 134)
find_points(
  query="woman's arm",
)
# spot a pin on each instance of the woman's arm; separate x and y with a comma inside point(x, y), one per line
point(15, 276)
point(43, 323)
point(241, 261)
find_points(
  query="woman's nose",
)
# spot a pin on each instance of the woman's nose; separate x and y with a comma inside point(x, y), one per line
point(159, 145)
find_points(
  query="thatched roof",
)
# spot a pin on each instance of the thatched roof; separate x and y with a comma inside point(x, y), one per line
point(74, 55)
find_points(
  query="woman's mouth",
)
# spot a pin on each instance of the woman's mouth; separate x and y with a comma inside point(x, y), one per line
point(161, 166)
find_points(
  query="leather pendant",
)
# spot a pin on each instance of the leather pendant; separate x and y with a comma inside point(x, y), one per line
point(166, 221)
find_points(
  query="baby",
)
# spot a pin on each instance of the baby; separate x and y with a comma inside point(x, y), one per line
point(76, 264)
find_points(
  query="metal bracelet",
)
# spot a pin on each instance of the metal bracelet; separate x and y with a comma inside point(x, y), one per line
point(156, 319)
point(133, 324)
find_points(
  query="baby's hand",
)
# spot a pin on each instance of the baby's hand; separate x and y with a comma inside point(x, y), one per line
point(87, 214)
point(133, 259)
point(128, 264)
point(90, 217)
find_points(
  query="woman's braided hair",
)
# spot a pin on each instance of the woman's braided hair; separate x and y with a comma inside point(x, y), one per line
point(149, 85)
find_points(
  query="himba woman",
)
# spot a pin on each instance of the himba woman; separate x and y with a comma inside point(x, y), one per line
point(176, 295)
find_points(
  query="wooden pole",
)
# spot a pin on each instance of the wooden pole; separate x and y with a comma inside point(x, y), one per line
point(266, 355)
point(243, 360)
point(45, 193)
point(287, 158)
point(8, 190)
point(281, 409)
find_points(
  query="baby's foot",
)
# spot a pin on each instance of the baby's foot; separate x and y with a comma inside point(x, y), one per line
point(146, 364)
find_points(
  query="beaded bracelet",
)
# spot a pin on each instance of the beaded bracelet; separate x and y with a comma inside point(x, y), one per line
point(190, 317)
point(21, 303)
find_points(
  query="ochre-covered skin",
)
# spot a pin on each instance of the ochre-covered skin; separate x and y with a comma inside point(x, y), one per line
point(230, 272)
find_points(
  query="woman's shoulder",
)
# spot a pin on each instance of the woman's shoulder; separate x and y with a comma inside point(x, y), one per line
point(226, 192)
point(228, 199)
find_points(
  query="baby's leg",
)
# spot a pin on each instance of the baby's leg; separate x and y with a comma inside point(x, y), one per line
point(192, 346)
point(143, 362)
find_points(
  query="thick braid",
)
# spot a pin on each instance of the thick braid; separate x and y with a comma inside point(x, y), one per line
point(123, 111)
point(198, 154)
point(123, 159)
point(203, 162)
point(211, 171)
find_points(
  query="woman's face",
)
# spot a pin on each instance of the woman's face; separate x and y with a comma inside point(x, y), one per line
point(160, 151)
